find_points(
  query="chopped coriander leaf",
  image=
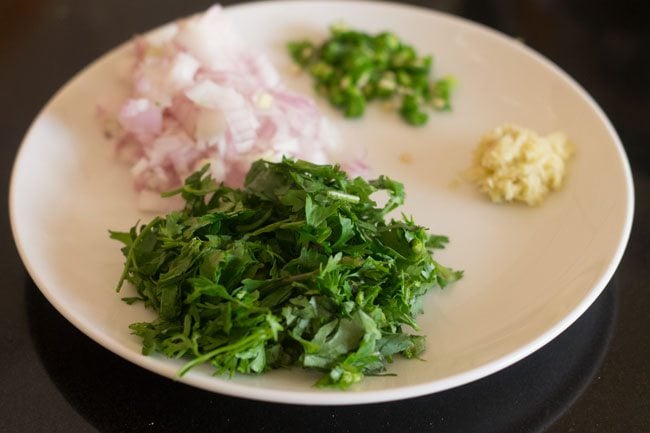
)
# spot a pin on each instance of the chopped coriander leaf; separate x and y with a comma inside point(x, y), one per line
point(301, 267)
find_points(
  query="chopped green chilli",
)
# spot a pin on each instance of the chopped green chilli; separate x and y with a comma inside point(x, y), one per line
point(352, 68)
point(300, 267)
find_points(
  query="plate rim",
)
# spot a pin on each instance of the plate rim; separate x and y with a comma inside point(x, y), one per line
point(333, 397)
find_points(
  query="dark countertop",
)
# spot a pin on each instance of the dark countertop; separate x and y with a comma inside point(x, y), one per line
point(592, 378)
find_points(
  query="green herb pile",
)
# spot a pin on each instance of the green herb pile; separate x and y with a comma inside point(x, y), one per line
point(352, 68)
point(298, 268)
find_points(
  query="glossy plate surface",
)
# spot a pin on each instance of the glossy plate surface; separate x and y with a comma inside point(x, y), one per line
point(529, 272)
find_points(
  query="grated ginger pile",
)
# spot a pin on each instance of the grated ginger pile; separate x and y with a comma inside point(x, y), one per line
point(516, 164)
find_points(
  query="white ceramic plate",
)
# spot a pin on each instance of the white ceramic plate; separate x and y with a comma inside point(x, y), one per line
point(529, 272)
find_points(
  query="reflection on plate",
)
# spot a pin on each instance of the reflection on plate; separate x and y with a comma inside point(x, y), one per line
point(529, 272)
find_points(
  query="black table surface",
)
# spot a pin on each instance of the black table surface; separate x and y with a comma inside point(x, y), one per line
point(591, 378)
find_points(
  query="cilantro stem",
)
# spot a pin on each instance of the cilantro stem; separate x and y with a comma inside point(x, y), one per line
point(291, 279)
point(301, 277)
point(284, 224)
point(339, 195)
point(262, 334)
point(190, 190)
point(257, 223)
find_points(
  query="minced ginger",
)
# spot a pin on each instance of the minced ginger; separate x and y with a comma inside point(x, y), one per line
point(516, 164)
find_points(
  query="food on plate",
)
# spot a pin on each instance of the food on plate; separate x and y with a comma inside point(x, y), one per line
point(200, 94)
point(352, 68)
point(301, 267)
point(512, 163)
point(406, 158)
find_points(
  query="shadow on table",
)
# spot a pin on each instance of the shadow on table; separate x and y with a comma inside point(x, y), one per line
point(116, 396)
